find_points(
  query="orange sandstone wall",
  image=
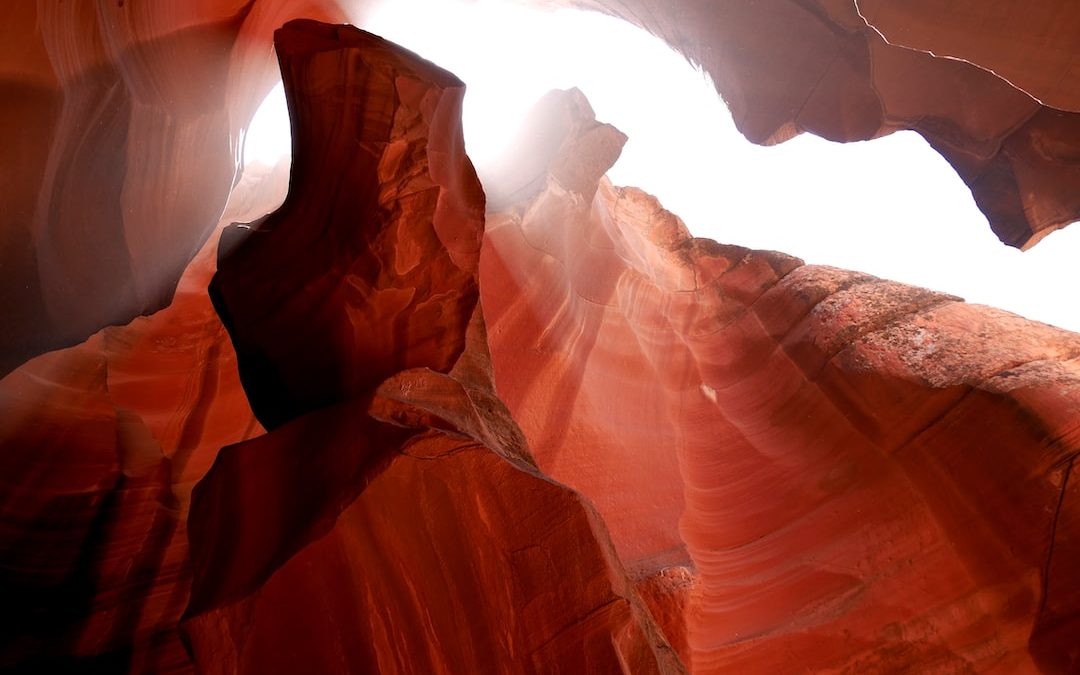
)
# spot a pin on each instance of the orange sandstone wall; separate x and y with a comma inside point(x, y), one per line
point(129, 117)
point(581, 442)
point(393, 520)
point(874, 477)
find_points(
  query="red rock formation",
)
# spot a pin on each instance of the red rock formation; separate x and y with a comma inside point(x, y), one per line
point(756, 466)
point(129, 116)
point(407, 509)
point(391, 290)
point(789, 66)
point(100, 446)
point(560, 351)
point(1031, 46)
point(452, 560)
point(876, 477)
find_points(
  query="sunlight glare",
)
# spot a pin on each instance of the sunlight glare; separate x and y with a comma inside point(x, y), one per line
point(268, 138)
point(891, 207)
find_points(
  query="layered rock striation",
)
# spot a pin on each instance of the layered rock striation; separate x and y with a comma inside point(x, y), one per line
point(131, 116)
point(985, 83)
point(393, 520)
point(867, 476)
point(421, 430)
point(100, 447)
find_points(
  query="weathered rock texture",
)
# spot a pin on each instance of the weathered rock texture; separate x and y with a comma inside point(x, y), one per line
point(129, 116)
point(581, 442)
point(100, 446)
point(856, 69)
point(393, 520)
point(123, 121)
point(870, 476)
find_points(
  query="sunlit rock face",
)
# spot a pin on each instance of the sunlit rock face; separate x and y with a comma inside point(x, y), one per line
point(130, 116)
point(393, 520)
point(867, 476)
point(558, 436)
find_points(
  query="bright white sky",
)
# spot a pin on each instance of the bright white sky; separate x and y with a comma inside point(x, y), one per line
point(891, 207)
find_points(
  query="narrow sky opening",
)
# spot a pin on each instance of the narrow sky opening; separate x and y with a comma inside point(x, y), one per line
point(891, 207)
point(268, 138)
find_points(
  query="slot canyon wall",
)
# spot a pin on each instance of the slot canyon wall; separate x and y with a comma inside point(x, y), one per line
point(417, 428)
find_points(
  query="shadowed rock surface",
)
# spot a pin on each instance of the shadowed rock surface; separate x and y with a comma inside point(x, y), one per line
point(130, 114)
point(582, 441)
point(393, 525)
point(100, 446)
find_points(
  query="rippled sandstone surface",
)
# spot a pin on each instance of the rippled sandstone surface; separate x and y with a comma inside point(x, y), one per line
point(539, 430)
point(130, 116)
point(867, 476)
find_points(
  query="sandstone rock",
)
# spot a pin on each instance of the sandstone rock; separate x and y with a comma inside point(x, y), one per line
point(123, 121)
point(1028, 45)
point(856, 480)
point(453, 559)
point(391, 285)
point(843, 70)
point(561, 343)
point(726, 460)
point(129, 116)
point(395, 495)
point(100, 446)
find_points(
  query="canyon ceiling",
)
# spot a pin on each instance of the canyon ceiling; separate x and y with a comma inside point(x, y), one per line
point(401, 425)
